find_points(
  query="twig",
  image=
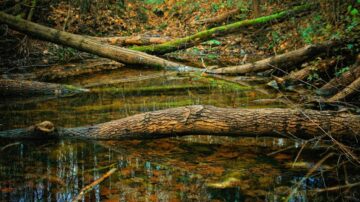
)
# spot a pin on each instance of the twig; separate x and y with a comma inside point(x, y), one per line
point(89, 187)
point(315, 167)
point(336, 188)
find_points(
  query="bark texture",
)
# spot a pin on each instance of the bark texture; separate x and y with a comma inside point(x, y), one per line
point(10, 87)
point(133, 40)
point(190, 41)
point(208, 120)
point(302, 74)
point(334, 85)
point(119, 54)
point(279, 61)
point(351, 89)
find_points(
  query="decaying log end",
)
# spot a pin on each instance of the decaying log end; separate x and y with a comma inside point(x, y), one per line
point(43, 130)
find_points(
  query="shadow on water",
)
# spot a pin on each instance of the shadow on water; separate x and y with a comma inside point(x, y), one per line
point(192, 168)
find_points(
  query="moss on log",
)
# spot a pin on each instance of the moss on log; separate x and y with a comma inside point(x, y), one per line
point(10, 87)
point(208, 120)
point(189, 41)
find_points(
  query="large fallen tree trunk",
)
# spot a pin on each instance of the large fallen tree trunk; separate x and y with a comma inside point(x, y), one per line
point(208, 120)
point(10, 87)
point(82, 43)
point(190, 41)
point(279, 61)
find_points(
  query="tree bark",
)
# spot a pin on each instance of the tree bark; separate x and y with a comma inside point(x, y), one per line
point(279, 61)
point(10, 87)
point(207, 120)
point(119, 54)
point(190, 41)
point(334, 85)
point(351, 89)
point(303, 73)
point(132, 40)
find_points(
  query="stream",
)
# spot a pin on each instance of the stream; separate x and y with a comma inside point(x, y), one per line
point(190, 168)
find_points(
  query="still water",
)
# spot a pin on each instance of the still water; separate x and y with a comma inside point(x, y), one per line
point(192, 168)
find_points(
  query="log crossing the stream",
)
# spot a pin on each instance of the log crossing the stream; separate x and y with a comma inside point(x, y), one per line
point(207, 120)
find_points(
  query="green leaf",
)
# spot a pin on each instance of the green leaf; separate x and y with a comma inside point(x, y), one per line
point(354, 12)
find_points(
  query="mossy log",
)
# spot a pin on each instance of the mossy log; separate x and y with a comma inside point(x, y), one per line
point(10, 87)
point(207, 120)
point(82, 43)
point(287, 60)
point(190, 41)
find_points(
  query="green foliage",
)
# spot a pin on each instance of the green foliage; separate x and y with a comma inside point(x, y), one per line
point(64, 54)
point(352, 18)
point(213, 42)
point(154, 1)
point(341, 71)
point(313, 76)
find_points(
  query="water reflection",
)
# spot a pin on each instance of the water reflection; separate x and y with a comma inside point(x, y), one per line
point(160, 170)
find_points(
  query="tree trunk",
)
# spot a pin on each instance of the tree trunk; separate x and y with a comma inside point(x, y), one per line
point(190, 41)
point(208, 120)
point(279, 61)
point(31, 88)
point(119, 54)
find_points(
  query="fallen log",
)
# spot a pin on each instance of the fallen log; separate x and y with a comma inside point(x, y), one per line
point(82, 43)
point(207, 120)
point(190, 41)
point(304, 73)
point(351, 89)
point(279, 61)
point(132, 40)
point(334, 85)
point(10, 87)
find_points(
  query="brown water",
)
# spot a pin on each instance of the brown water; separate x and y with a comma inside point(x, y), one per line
point(192, 168)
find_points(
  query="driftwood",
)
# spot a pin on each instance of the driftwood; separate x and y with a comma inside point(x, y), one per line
point(279, 61)
point(190, 41)
point(82, 43)
point(218, 19)
point(207, 120)
point(10, 87)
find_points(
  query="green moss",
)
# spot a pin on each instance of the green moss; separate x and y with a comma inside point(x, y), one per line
point(216, 31)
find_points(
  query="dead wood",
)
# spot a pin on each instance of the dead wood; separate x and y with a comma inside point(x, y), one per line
point(351, 89)
point(208, 120)
point(286, 60)
point(132, 40)
point(82, 43)
point(336, 84)
point(10, 87)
